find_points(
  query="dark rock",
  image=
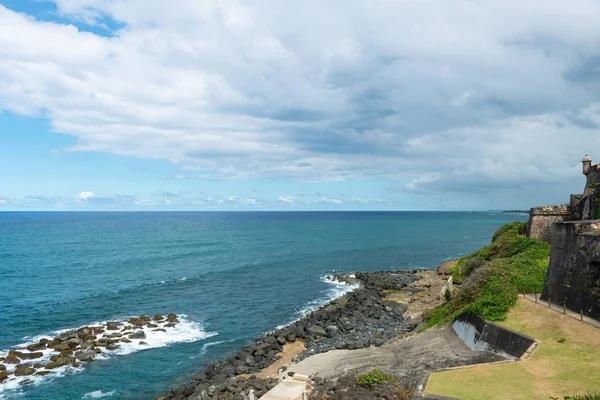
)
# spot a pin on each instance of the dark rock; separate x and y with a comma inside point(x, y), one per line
point(25, 371)
point(86, 356)
point(137, 335)
point(158, 317)
point(315, 330)
point(42, 373)
point(112, 326)
point(66, 336)
point(36, 347)
point(281, 340)
point(172, 318)
point(11, 359)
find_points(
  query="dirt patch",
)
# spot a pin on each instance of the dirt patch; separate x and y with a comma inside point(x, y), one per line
point(286, 357)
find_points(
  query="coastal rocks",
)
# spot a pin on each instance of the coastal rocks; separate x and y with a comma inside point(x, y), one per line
point(74, 348)
point(359, 319)
point(137, 335)
point(233, 389)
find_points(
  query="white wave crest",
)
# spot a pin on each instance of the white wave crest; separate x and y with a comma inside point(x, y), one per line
point(98, 394)
point(185, 331)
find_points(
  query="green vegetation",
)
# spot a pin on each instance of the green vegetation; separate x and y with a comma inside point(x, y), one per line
point(561, 340)
point(584, 397)
point(553, 369)
point(492, 277)
point(591, 185)
point(374, 377)
point(378, 336)
point(597, 211)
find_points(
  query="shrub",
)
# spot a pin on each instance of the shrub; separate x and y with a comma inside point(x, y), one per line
point(374, 377)
point(492, 277)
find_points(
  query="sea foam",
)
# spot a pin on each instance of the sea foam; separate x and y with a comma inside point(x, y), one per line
point(185, 331)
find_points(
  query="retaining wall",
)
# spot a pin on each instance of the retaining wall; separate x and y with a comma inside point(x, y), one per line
point(481, 335)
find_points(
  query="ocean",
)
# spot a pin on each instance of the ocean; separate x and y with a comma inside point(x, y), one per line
point(233, 275)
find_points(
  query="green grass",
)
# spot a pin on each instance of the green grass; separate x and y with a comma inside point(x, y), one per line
point(374, 377)
point(493, 276)
point(555, 368)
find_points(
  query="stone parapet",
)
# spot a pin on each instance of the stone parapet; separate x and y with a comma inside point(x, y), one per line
point(542, 219)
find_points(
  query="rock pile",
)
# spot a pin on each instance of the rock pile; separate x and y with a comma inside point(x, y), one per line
point(75, 347)
point(357, 320)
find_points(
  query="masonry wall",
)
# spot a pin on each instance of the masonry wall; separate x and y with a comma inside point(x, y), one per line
point(573, 276)
point(542, 219)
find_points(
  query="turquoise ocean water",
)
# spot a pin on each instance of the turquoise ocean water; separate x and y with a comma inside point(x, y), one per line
point(234, 275)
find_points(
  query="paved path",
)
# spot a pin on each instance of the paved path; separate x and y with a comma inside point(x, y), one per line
point(559, 308)
point(286, 390)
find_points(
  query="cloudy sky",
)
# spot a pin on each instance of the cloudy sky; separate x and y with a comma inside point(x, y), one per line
point(296, 104)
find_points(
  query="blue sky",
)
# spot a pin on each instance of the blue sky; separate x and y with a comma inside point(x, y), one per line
point(297, 105)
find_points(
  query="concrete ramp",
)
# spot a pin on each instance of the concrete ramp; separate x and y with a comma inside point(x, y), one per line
point(289, 389)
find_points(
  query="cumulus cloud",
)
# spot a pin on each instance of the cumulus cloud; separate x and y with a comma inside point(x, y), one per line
point(488, 94)
point(287, 199)
point(85, 196)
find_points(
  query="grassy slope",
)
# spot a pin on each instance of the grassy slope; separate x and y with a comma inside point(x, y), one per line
point(554, 370)
point(493, 276)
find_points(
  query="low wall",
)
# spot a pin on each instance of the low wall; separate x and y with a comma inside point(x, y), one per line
point(481, 335)
point(573, 276)
point(542, 219)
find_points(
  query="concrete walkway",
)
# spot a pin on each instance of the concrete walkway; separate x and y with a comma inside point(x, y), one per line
point(559, 308)
point(289, 389)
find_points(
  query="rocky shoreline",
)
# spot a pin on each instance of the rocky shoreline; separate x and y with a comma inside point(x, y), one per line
point(362, 318)
point(75, 348)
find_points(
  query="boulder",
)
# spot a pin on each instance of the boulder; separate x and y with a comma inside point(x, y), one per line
point(11, 359)
point(112, 347)
point(42, 373)
point(2, 367)
point(62, 346)
point(31, 356)
point(159, 330)
point(158, 317)
point(36, 346)
point(143, 343)
point(25, 371)
point(144, 318)
point(281, 340)
point(332, 331)
point(137, 335)
point(66, 336)
point(3, 376)
point(150, 325)
point(86, 355)
point(112, 326)
point(172, 318)
point(315, 330)
point(125, 340)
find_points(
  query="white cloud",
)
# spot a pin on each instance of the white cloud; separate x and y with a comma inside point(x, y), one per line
point(330, 200)
point(490, 94)
point(286, 199)
point(85, 196)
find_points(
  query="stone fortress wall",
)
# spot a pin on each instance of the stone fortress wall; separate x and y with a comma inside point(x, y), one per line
point(573, 230)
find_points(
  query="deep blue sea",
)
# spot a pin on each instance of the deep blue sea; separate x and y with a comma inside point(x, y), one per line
point(234, 275)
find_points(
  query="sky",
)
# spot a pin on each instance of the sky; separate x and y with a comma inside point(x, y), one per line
point(296, 104)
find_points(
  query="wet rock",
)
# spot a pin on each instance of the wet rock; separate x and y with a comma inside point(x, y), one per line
point(143, 343)
point(3, 376)
point(144, 318)
point(112, 347)
point(112, 326)
point(86, 356)
point(65, 336)
point(171, 325)
point(158, 317)
point(36, 346)
point(125, 340)
point(2, 367)
point(114, 335)
point(137, 335)
point(62, 346)
point(159, 330)
point(12, 359)
point(172, 318)
point(42, 373)
point(24, 371)
point(149, 325)
point(38, 365)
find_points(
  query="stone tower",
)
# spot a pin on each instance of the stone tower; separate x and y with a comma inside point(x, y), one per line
point(587, 164)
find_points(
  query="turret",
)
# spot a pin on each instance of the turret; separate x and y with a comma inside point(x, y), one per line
point(587, 164)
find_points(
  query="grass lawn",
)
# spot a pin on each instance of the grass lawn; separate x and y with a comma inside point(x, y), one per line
point(554, 370)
